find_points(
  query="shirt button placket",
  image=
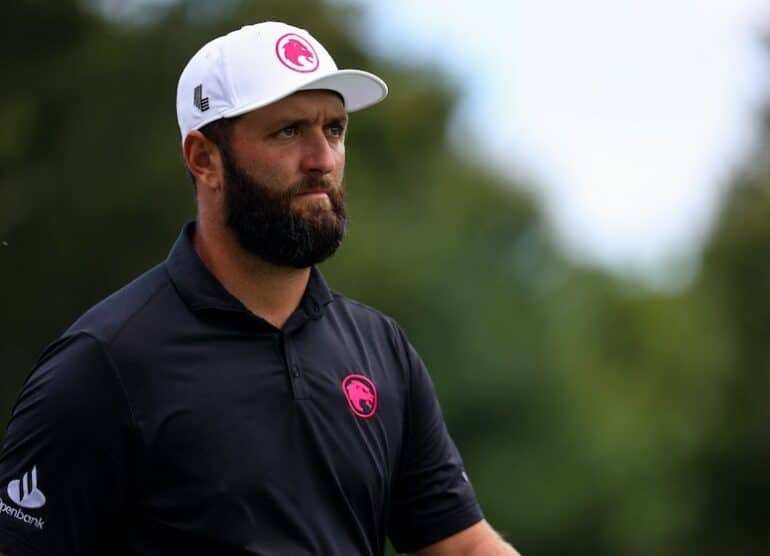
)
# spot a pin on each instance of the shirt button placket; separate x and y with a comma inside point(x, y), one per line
point(298, 388)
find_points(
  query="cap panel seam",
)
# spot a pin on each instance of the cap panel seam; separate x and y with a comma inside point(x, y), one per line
point(236, 97)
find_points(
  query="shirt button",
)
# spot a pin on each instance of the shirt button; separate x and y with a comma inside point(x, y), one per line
point(295, 372)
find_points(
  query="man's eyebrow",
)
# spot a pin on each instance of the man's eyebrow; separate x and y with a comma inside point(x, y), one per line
point(341, 119)
point(287, 121)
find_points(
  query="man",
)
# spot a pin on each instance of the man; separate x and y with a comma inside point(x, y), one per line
point(227, 401)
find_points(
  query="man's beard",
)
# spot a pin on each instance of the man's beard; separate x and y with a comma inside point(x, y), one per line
point(265, 224)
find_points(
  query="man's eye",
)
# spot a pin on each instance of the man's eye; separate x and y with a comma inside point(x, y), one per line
point(336, 130)
point(289, 131)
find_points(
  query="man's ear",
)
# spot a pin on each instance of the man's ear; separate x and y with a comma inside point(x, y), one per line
point(203, 160)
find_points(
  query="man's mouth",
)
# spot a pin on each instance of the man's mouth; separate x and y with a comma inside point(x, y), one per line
point(315, 193)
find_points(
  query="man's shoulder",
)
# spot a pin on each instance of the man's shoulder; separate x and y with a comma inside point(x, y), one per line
point(364, 314)
point(109, 317)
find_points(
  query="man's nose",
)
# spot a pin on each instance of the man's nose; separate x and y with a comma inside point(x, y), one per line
point(319, 155)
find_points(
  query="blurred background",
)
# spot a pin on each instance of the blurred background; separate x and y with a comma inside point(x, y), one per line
point(566, 206)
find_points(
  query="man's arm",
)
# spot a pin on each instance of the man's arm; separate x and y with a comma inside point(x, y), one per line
point(477, 540)
point(434, 511)
point(66, 459)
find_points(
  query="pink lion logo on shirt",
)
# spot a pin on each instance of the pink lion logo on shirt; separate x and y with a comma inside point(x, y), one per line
point(361, 395)
point(296, 53)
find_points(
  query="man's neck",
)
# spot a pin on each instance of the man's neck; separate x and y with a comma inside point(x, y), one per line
point(269, 291)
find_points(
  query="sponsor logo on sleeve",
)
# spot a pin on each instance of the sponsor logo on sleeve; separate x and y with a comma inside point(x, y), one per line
point(25, 493)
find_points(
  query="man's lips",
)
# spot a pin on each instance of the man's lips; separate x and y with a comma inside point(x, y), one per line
point(313, 194)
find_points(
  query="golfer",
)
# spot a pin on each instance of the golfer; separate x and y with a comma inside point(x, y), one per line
point(227, 401)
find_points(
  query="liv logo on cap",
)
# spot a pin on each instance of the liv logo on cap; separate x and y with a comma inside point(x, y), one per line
point(361, 395)
point(296, 53)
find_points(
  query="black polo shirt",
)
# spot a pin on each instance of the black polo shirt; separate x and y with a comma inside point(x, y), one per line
point(170, 420)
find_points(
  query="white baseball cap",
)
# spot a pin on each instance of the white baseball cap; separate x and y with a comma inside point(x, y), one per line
point(260, 64)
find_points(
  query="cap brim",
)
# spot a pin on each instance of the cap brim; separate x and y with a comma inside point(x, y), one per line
point(359, 89)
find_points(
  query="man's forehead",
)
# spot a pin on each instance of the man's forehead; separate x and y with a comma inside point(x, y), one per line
point(320, 102)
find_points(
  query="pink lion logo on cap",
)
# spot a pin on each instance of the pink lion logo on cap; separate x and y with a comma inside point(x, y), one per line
point(296, 53)
point(361, 395)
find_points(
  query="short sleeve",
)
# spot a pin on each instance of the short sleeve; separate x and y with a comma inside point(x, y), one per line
point(432, 498)
point(66, 458)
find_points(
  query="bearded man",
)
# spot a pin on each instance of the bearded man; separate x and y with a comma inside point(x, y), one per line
point(227, 402)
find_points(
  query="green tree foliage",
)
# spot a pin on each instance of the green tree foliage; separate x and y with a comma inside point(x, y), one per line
point(736, 275)
point(595, 417)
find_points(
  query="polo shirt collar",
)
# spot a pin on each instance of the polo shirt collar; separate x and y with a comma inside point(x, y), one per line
point(200, 290)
